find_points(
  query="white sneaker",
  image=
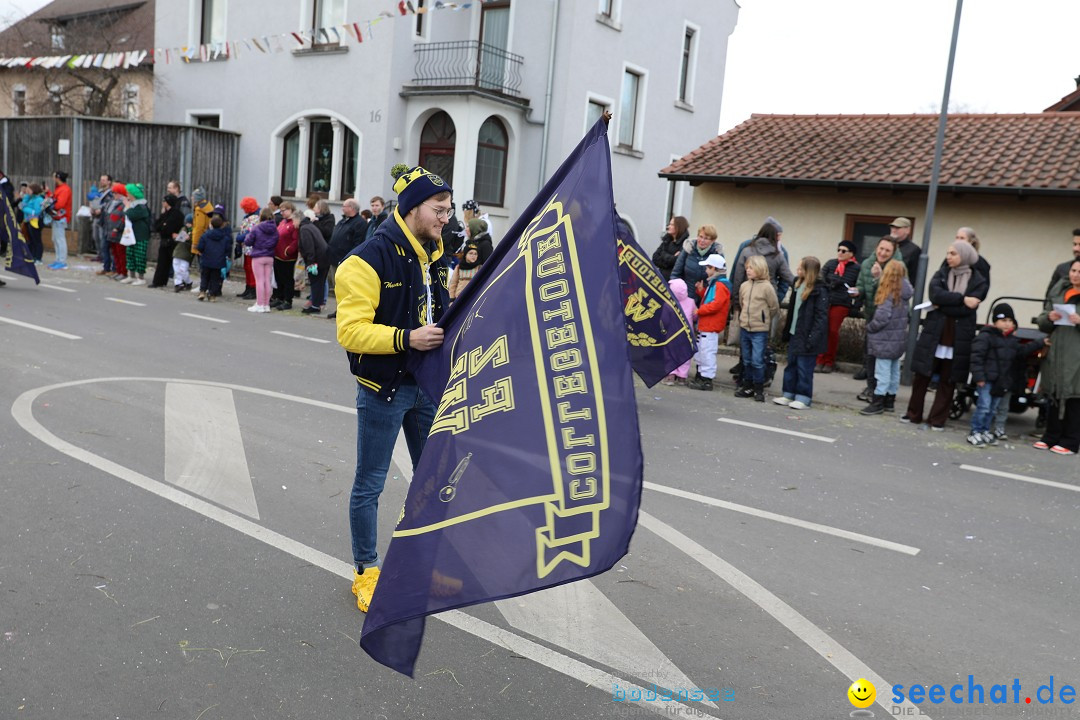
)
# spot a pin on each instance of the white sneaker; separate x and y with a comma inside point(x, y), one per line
point(140, 281)
point(255, 308)
point(127, 281)
point(782, 400)
point(797, 405)
point(264, 308)
point(195, 290)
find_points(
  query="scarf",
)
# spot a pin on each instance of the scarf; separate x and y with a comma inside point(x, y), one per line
point(960, 275)
point(841, 266)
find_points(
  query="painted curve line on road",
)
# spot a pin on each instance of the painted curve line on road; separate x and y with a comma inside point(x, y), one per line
point(22, 410)
point(796, 522)
point(819, 641)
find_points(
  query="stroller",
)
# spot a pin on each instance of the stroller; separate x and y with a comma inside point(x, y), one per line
point(1027, 372)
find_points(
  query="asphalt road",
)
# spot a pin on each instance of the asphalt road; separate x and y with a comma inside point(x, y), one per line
point(157, 566)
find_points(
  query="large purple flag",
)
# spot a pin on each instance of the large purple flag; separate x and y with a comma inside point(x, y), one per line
point(531, 476)
point(661, 339)
point(18, 258)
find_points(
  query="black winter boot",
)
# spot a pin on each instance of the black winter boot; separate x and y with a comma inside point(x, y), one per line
point(759, 392)
point(890, 403)
point(876, 406)
point(700, 383)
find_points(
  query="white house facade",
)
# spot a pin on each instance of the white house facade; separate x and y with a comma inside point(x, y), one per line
point(492, 96)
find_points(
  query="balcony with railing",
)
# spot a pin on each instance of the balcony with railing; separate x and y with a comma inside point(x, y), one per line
point(463, 66)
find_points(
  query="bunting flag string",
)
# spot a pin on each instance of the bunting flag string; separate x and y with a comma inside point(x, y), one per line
point(229, 48)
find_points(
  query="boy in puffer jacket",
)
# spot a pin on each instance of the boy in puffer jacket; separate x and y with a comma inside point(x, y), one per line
point(992, 356)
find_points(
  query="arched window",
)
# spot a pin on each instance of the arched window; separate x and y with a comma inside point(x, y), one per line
point(437, 141)
point(309, 163)
point(491, 150)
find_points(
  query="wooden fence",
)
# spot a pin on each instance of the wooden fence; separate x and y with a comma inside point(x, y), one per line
point(33, 148)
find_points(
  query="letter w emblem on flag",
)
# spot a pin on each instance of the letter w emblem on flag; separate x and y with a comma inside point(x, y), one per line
point(531, 476)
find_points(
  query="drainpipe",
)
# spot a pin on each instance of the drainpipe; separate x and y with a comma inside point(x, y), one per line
point(547, 97)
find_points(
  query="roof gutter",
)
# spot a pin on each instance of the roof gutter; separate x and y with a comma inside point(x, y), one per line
point(917, 187)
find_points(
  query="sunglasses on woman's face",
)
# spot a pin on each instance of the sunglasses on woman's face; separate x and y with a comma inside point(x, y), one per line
point(842, 250)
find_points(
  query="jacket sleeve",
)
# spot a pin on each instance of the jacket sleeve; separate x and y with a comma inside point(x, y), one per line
point(358, 290)
point(865, 281)
point(820, 320)
point(720, 303)
point(771, 300)
point(980, 348)
point(881, 316)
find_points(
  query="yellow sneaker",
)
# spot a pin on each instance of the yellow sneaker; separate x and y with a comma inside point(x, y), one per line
point(363, 587)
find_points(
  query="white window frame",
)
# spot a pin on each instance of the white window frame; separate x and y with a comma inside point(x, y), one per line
point(676, 197)
point(307, 22)
point(612, 20)
point(14, 106)
point(193, 115)
point(639, 111)
point(303, 121)
point(687, 101)
point(425, 23)
point(196, 24)
point(591, 98)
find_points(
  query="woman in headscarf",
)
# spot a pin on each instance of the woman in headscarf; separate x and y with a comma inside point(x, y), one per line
point(944, 345)
point(168, 225)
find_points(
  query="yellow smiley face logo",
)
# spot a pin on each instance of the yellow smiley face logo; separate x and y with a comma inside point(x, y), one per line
point(862, 693)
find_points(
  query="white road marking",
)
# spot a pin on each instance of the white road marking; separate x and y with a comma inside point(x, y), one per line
point(125, 302)
point(57, 287)
point(28, 326)
point(794, 433)
point(204, 451)
point(833, 652)
point(22, 410)
point(299, 337)
point(766, 515)
point(1024, 478)
point(580, 618)
point(203, 317)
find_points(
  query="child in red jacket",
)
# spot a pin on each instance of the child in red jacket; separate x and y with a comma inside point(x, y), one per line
point(712, 319)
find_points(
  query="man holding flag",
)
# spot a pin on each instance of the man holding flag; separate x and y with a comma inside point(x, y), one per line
point(391, 290)
point(531, 475)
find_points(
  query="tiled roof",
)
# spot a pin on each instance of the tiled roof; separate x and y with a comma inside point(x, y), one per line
point(90, 26)
point(1029, 154)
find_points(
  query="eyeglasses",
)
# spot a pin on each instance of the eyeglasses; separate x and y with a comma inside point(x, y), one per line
point(842, 250)
point(442, 213)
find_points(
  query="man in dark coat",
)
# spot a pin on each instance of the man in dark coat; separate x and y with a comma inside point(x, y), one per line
point(1061, 272)
point(909, 251)
point(348, 234)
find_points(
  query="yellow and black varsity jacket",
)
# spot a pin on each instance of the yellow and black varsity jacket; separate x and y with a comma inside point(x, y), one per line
point(382, 295)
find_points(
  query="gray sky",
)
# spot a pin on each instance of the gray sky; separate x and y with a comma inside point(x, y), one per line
point(883, 56)
point(11, 10)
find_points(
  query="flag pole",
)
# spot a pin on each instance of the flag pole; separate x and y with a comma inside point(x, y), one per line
point(931, 202)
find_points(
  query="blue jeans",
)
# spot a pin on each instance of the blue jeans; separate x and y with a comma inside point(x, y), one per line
point(986, 406)
point(377, 425)
point(886, 376)
point(752, 345)
point(799, 378)
point(102, 237)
